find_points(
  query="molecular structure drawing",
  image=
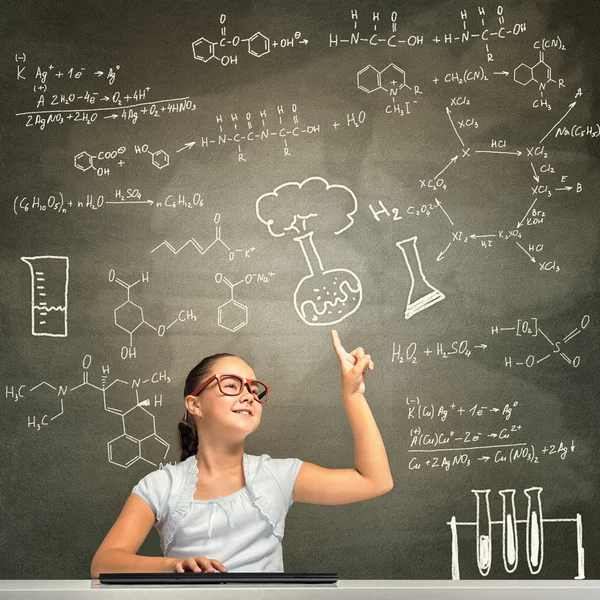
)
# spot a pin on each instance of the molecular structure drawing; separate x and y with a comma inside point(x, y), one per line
point(194, 244)
point(541, 73)
point(232, 315)
point(129, 316)
point(391, 79)
point(257, 45)
point(138, 440)
point(85, 161)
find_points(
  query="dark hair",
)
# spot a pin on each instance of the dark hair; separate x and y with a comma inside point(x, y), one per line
point(188, 435)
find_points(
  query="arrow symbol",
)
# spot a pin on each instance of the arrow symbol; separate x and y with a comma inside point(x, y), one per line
point(530, 257)
point(452, 160)
point(517, 153)
point(484, 458)
point(555, 124)
point(440, 205)
point(520, 223)
point(535, 175)
point(567, 188)
point(112, 117)
point(474, 237)
point(482, 346)
point(448, 112)
point(98, 73)
point(441, 254)
point(500, 72)
point(130, 202)
point(186, 146)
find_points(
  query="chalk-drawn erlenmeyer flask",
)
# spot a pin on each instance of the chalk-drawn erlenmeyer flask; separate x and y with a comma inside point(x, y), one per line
point(483, 529)
point(49, 290)
point(510, 543)
point(422, 294)
point(324, 297)
point(535, 530)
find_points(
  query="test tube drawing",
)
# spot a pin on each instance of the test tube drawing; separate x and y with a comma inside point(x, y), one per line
point(49, 294)
point(510, 541)
point(422, 294)
point(484, 532)
point(535, 530)
point(534, 525)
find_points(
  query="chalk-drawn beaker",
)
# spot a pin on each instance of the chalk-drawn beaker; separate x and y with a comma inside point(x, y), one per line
point(324, 297)
point(535, 530)
point(422, 294)
point(510, 542)
point(49, 290)
point(483, 531)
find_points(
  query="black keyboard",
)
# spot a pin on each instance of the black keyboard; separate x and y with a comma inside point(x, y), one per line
point(190, 577)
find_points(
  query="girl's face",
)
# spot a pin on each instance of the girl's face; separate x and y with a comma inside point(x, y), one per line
point(221, 407)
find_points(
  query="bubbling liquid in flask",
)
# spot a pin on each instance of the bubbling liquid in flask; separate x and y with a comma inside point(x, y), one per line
point(422, 294)
point(325, 297)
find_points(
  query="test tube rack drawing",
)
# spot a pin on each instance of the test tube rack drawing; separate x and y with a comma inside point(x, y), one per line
point(422, 294)
point(534, 536)
point(49, 294)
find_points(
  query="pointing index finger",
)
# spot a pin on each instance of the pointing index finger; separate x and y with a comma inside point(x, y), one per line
point(337, 344)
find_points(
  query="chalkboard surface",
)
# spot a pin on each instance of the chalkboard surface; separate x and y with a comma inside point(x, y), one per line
point(186, 178)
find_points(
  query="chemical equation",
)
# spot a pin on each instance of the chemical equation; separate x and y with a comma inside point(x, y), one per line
point(36, 204)
point(413, 353)
point(225, 50)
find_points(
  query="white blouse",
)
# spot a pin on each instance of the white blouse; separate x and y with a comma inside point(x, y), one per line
point(244, 530)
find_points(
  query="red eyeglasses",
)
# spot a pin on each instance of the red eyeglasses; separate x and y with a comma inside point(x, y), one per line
point(232, 385)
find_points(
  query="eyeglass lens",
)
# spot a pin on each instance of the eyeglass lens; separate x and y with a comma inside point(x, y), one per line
point(232, 386)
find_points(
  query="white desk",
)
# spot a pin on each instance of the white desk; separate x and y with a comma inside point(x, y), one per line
point(347, 589)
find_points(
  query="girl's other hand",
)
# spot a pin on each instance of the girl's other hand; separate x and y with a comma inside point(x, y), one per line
point(198, 564)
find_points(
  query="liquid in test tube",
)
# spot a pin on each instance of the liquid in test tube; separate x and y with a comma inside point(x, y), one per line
point(535, 530)
point(484, 532)
point(49, 292)
point(510, 542)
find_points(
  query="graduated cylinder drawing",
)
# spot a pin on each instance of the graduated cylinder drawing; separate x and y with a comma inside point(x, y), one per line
point(534, 533)
point(49, 293)
point(422, 294)
point(324, 296)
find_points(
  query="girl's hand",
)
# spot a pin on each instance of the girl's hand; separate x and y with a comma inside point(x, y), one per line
point(199, 564)
point(353, 366)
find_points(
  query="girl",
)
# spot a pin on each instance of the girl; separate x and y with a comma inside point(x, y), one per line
point(231, 506)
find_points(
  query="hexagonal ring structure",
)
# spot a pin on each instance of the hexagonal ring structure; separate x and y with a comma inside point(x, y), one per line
point(203, 49)
point(368, 79)
point(160, 159)
point(84, 161)
point(234, 314)
point(259, 45)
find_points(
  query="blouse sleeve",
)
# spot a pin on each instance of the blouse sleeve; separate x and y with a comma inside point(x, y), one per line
point(154, 490)
point(285, 471)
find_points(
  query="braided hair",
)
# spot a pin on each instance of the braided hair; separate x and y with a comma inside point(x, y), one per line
point(188, 434)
